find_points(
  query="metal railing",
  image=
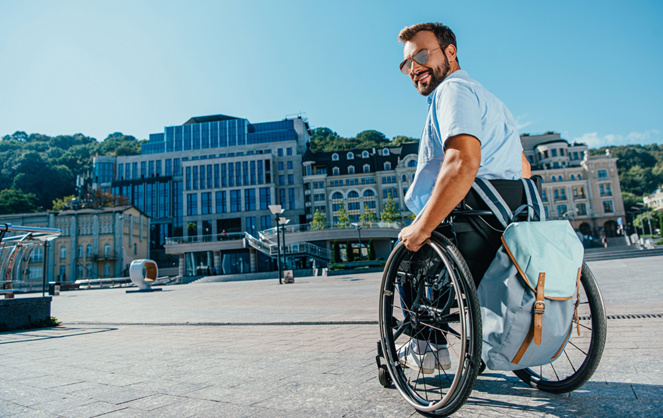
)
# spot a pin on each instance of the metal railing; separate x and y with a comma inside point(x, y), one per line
point(270, 234)
point(232, 236)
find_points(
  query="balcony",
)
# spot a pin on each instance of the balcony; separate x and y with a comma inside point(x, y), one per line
point(106, 256)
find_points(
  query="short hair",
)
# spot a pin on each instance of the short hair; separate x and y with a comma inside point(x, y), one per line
point(444, 34)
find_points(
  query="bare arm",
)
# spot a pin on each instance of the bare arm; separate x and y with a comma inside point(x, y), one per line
point(527, 169)
point(457, 173)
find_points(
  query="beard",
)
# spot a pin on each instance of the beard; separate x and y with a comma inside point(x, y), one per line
point(437, 75)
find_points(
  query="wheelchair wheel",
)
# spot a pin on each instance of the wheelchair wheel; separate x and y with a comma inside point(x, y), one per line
point(428, 299)
point(582, 354)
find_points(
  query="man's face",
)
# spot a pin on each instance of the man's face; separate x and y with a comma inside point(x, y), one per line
point(427, 76)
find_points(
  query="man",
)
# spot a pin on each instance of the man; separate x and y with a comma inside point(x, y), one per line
point(468, 133)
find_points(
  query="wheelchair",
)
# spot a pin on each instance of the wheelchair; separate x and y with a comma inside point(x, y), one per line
point(430, 295)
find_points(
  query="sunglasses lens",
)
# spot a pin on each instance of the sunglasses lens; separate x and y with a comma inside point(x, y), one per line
point(405, 66)
point(421, 57)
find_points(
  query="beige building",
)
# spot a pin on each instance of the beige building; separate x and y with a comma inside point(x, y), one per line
point(576, 186)
point(655, 200)
point(94, 243)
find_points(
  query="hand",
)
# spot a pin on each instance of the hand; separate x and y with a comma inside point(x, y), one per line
point(413, 236)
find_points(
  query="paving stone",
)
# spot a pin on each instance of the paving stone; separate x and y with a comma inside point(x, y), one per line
point(285, 370)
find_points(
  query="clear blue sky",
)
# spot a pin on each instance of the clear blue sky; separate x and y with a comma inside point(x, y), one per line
point(590, 70)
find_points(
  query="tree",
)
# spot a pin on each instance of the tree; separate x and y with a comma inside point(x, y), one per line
point(368, 217)
point(319, 221)
point(343, 217)
point(16, 201)
point(98, 199)
point(63, 203)
point(660, 222)
point(401, 139)
point(118, 144)
point(350, 255)
point(47, 182)
point(390, 212)
point(370, 139)
point(371, 250)
point(337, 252)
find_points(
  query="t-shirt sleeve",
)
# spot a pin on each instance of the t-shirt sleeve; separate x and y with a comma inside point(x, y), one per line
point(458, 112)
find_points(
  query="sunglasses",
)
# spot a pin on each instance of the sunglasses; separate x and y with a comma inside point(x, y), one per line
point(420, 57)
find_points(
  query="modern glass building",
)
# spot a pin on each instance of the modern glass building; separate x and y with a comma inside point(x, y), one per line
point(213, 175)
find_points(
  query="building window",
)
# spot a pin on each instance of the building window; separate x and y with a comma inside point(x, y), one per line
point(63, 252)
point(265, 198)
point(561, 210)
point(107, 269)
point(412, 163)
point(387, 166)
point(205, 203)
point(351, 169)
point(249, 200)
point(221, 202)
point(235, 201)
point(608, 206)
point(353, 201)
point(107, 251)
point(291, 199)
point(385, 151)
point(367, 168)
point(351, 156)
point(602, 174)
point(334, 157)
point(36, 256)
point(335, 171)
point(191, 204)
point(364, 154)
point(88, 251)
point(581, 209)
point(369, 199)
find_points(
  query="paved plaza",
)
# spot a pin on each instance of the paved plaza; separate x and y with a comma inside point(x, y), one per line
point(257, 348)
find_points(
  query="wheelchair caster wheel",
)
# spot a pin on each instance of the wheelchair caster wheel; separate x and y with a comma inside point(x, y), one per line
point(383, 376)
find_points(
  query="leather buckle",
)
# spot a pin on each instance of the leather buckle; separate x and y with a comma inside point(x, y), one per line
point(539, 307)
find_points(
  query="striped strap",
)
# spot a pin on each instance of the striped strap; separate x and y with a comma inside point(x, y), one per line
point(533, 201)
point(492, 198)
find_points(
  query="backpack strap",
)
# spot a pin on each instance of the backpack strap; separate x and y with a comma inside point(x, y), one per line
point(494, 200)
point(534, 203)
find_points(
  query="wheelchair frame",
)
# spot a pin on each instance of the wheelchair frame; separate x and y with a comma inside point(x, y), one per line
point(445, 303)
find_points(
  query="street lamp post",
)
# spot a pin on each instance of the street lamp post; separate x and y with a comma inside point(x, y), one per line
point(277, 210)
point(358, 226)
point(283, 223)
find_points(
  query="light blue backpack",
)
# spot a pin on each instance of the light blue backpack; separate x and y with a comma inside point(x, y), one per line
point(528, 293)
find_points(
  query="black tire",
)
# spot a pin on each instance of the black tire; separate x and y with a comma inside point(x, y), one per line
point(582, 354)
point(445, 307)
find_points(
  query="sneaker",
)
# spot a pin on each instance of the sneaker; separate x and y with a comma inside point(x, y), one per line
point(425, 363)
point(433, 358)
point(443, 362)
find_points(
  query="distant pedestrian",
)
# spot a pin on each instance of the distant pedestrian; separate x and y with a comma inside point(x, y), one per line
point(224, 234)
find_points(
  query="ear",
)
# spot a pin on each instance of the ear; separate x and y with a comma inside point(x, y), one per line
point(450, 52)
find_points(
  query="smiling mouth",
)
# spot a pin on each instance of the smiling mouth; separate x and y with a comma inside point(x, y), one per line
point(422, 77)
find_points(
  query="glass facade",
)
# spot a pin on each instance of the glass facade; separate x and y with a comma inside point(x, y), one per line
point(219, 134)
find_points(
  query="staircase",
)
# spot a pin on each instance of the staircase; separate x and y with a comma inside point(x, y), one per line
point(617, 253)
point(294, 249)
